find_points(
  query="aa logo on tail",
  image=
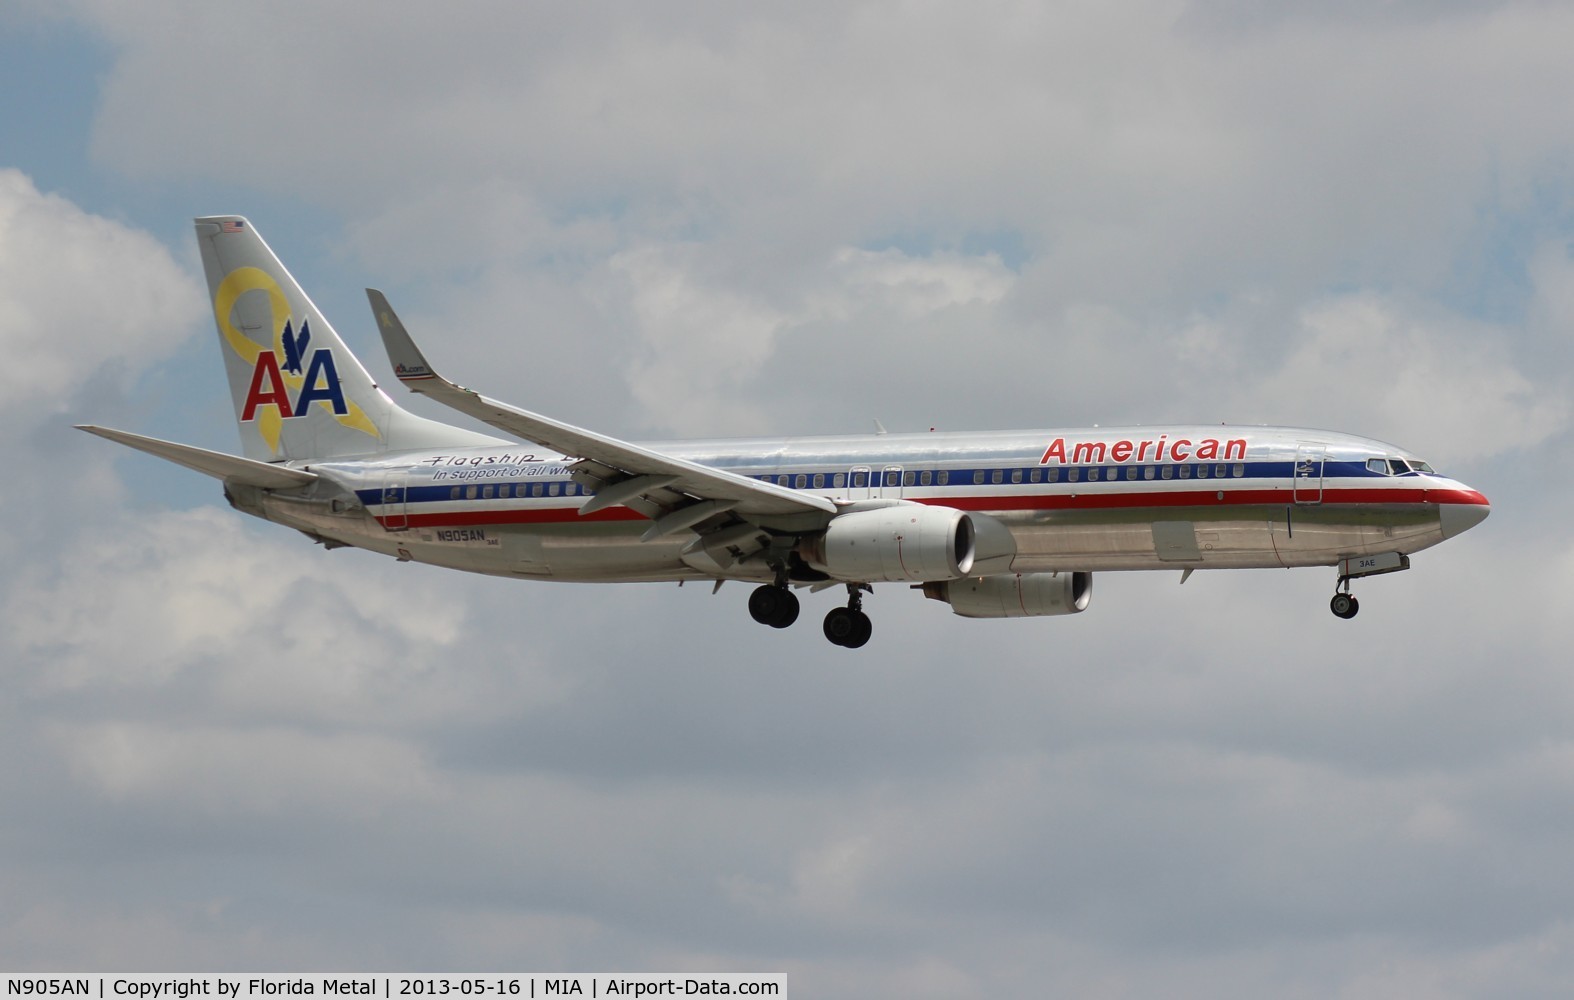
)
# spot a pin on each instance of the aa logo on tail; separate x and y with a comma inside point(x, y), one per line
point(287, 376)
point(319, 384)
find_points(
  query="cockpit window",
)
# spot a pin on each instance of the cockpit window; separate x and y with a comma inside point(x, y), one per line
point(1397, 466)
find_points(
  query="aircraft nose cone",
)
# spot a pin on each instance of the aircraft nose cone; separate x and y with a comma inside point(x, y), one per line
point(1457, 518)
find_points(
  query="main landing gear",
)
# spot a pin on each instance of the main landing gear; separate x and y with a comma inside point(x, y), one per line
point(849, 626)
point(774, 605)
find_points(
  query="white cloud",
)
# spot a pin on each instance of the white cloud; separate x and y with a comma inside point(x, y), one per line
point(265, 625)
point(1435, 383)
point(80, 295)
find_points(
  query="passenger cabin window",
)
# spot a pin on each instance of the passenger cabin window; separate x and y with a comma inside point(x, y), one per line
point(860, 479)
point(945, 477)
point(978, 478)
point(1035, 475)
point(801, 481)
point(486, 493)
point(909, 478)
point(470, 492)
point(1131, 473)
point(453, 493)
point(1240, 470)
point(926, 478)
point(997, 477)
point(1093, 475)
point(1147, 472)
point(1168, 472)
point(892, 477)
point(839, 480)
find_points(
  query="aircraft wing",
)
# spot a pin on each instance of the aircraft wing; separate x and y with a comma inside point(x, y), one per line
point(231, 468)
point(626, 470)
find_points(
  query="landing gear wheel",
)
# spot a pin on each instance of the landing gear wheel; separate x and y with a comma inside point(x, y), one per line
point(773, 606)
point(1344, 605)
point(848, 627)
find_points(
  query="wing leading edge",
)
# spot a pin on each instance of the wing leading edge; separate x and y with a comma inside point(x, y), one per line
point(673, 492)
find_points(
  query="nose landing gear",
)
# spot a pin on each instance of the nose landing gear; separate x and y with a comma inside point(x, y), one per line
point(1344, 604)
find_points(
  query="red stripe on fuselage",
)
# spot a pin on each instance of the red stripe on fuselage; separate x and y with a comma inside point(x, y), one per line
point(1052, 501)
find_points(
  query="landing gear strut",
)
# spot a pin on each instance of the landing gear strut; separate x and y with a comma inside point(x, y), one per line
point(773, 605)
point(849, 626)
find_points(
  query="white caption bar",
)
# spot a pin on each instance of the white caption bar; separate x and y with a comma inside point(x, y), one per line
point(508, 986)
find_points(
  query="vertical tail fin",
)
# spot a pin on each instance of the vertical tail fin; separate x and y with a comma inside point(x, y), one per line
point(299, 393)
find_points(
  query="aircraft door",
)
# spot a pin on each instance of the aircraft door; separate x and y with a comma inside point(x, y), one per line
point(395, 509)
point(1306, 483)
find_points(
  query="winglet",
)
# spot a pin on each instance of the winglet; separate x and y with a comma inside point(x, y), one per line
point(409, 364)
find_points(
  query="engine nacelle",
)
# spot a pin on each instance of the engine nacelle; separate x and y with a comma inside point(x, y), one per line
point(905, 542)
point(1015, 596)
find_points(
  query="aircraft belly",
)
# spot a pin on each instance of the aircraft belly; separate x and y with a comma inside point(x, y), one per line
point(1255, 536)
point(1321, 535)
point(589, 552)
point(1206, 538)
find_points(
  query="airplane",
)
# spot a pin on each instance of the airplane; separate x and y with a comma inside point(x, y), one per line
point(995, 525)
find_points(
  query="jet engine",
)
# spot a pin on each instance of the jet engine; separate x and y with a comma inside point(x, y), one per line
point(907, 542)
point(1015, 596)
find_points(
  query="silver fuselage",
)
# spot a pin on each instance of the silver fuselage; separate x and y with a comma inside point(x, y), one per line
point(1121, 498)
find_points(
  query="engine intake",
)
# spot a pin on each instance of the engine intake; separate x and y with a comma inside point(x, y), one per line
point(1016, 596)
point(907, 542)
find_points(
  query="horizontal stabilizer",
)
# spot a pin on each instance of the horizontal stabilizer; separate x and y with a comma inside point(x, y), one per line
point(245, 471)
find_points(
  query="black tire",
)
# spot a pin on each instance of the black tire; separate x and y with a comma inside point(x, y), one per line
point(865, 628)
point(840, 626)
point(773, 606)
point(1344, 606)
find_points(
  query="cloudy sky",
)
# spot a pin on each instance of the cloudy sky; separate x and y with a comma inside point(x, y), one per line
point(222, 748)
